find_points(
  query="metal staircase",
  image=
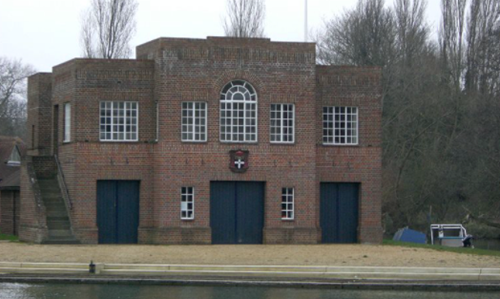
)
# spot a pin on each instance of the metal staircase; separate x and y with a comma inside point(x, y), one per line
point(57, 217)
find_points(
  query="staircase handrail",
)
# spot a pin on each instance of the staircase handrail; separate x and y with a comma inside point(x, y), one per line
point(37, 194)
point(62, 182)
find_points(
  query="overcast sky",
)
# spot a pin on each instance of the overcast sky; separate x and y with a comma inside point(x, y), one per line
point(45, 33)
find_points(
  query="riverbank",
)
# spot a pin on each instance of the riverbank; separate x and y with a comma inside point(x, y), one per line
point(246, 271)
point(300, 255)
point(251, 282)
point(234, 289)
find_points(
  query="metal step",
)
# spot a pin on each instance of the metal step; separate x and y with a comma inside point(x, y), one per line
point(47, 181)
point(56, 213)
point(53, 203)
point(61, 241)
point(49, 187)
point(56, 208)
point(52, 194)
point(64, 233)
point(58, 219)
point(48, 184)
point(58, 225)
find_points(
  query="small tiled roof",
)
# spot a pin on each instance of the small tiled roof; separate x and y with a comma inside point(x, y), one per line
point(10, 175)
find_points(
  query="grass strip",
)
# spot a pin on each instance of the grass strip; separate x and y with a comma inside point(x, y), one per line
point(473, 251)
point(8, 237)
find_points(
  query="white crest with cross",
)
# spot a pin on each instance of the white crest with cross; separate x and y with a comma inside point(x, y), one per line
point(238, 160)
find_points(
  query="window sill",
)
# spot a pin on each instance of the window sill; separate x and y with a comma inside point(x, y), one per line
point(341, 145)
point(282, 143)
point(239, 142)
point(187, 219)
point(119, 141)
point(194, 142)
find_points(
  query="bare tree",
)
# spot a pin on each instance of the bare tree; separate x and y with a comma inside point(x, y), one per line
point(362, 36)
point(452, 39)
point(482, 46)
point(412, 31)
point(107, 27)
point(440, 141)
point(245, 18)
point(13, 74)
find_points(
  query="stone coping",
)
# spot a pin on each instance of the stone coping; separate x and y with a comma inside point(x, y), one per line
point(328, 272)
point(276, 282)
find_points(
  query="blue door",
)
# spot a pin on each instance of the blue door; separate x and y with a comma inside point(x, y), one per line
point(237, 212)
point(339, 212)
point(117, 211)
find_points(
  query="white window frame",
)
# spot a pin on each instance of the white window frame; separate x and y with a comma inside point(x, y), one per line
point(187, 192)
point(193, 125)
point(14, 157)
point(67, 122)
point(329, 122)
point(112, 117)
point(224, 102)
point(281, 119)
point(287, 203)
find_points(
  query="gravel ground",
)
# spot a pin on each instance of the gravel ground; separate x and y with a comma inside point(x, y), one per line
point(335, 255)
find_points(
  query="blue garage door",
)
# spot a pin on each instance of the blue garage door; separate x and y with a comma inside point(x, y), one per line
point(237, 212)
point(117, 211)
point(339, 212)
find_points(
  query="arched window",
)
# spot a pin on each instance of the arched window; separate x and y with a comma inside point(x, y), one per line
point(238, 112)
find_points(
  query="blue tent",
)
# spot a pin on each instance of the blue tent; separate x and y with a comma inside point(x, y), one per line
point(409, 235)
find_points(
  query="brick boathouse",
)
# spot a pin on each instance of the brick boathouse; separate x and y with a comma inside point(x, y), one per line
point(204, 141)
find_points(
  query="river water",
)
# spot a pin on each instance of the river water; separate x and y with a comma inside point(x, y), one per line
point(105, 291)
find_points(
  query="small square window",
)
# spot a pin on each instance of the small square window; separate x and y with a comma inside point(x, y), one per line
point(340, 125)
point(116, 118)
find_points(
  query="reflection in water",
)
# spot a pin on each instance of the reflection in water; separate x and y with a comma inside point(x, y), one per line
point(86, 291)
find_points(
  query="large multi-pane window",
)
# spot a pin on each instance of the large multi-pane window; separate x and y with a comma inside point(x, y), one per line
point(340, 125)
point(282, 123)
point(238, 112)
point(194, 121)
point(67, 122)
point(287, 203)
point(119, 121)
point(187, 203)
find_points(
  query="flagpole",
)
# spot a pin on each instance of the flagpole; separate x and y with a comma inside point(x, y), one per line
point(305, 22)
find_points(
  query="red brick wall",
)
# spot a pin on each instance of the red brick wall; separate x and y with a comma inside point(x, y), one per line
point(196, 70)
point(9, 209)
point(115, 162)
point(39, 114)
point(32, 223)
point(45, 167)
point(85, 83)
point(362, 163)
